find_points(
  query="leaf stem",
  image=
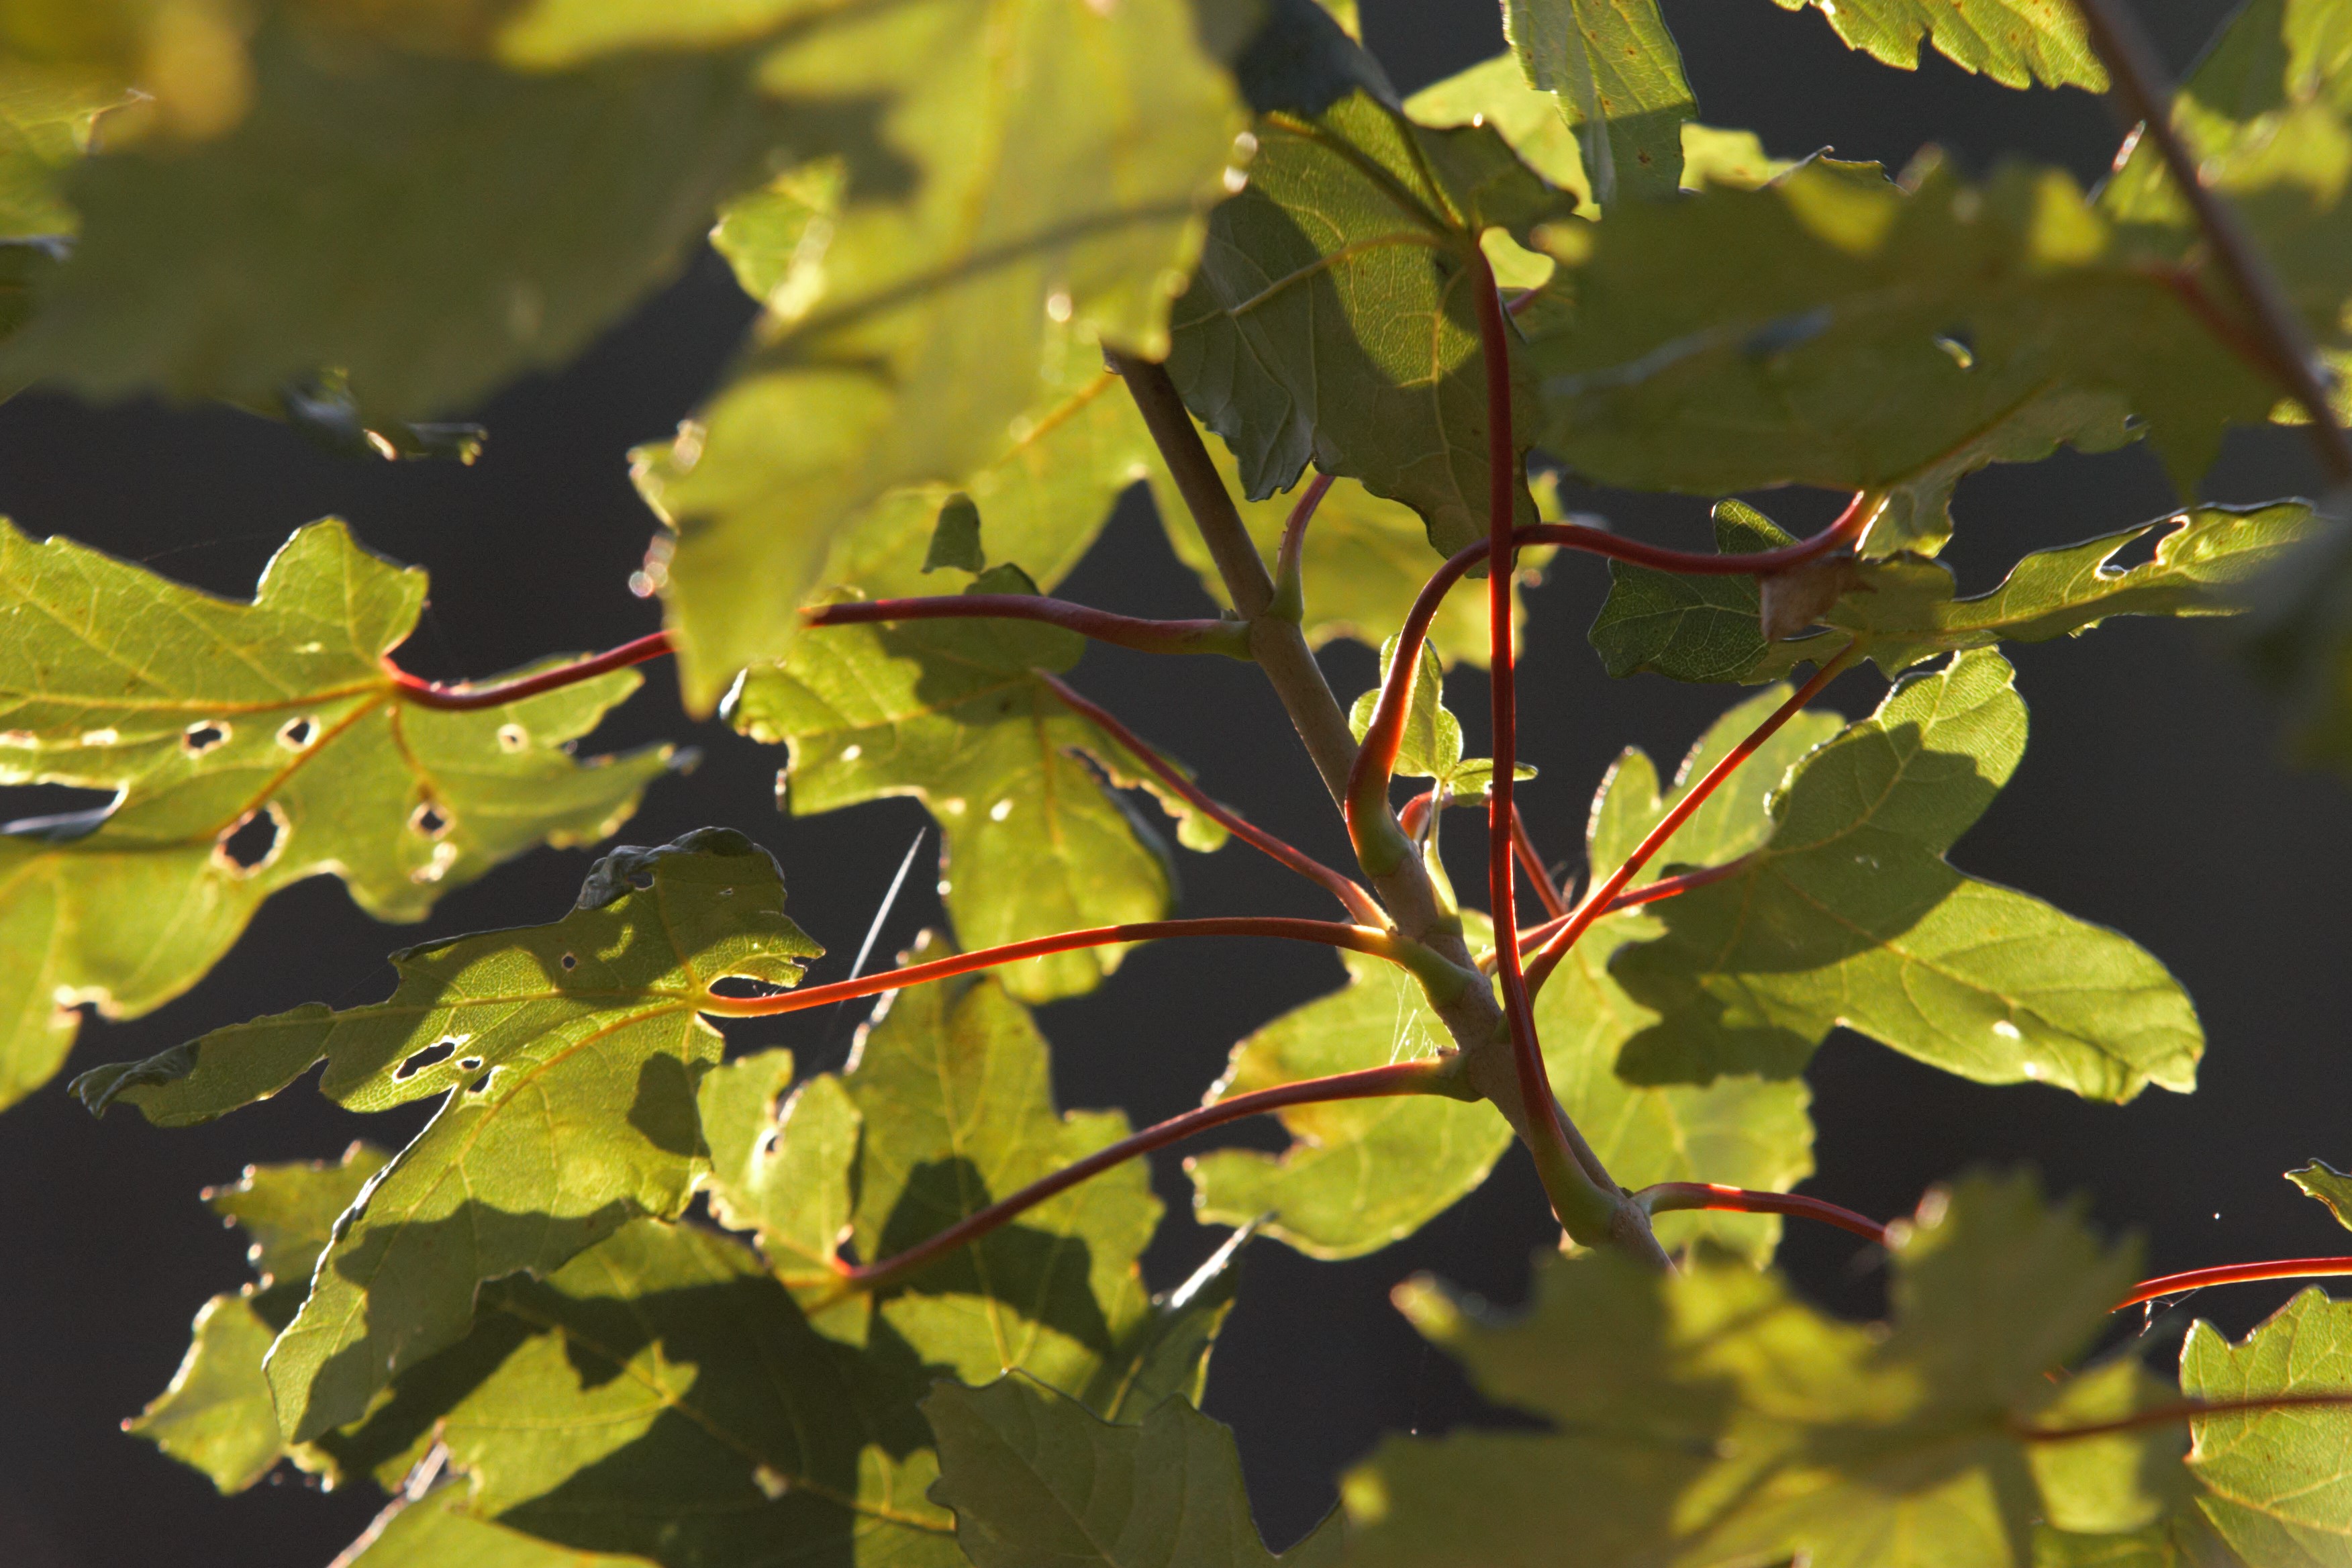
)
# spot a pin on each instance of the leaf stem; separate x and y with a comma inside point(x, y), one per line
point(1547, 891)
point(463, 697)
point(1438, 1075)
point(2180, 1410)
point(2142, 95)
point(1289, 586)
point(1229, 639)
point(1358, 903)
point(1665, 1197)
point(1434, 972)
point(1597, 901)
point(1664, 888)
point(2235, 1274)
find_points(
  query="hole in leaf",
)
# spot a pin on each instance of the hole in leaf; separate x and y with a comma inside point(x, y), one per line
point(254, 842)
point(428, 821)
point(766, 1148)
point(569, 961)
point(296, 733)
point(513, 737)
point(440, 1051)
point(481, 1083)
point(469, 1064)
point(2140, 551)
point(53, 812)
point(203, 736)
point(743, 988)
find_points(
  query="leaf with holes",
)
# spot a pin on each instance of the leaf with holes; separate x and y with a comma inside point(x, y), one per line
point(665, 1395)
point(1362, 564)
point(1034, 1476)
point(1710, 1417)
point(2018, 43)
point(1614, 70)
point(250, 745)
point(998, 213)
point(1332, 319)
point(567, 1056)
point(2276, 1480)
point(216, 1416)
point(959, 714)
point(1849, 914)
point(1833, 329)
point(1362, 1173)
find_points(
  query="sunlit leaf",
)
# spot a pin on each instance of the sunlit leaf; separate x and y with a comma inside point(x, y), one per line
point(252, 745)
point(1035, 1478)
point(1712, 1417)
point(1611, 65)
point(567, 1055)
point(435, 1531)
point(1028, 183)
point(1331, 319)
point(956, 713)
point(2277, 1483)
point(2018, 43)
point(1851, 915)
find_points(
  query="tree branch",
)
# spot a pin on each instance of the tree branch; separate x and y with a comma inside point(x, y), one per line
point(2142, 95)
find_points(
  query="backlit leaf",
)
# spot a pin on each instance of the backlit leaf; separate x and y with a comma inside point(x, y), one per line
point(1851, 915)
point(2330, 1186)
point(2018, 43)
point(47, 114)
point(1431, 744)
point(435, 1531)
point(1712, 1417)
point(1028, 185)
point(1360, 1175)
point(1688, 627)
point(566, 1055)
point(1614, 69)
point(2277, 1484)
point(955, 712)
point(1331, 319)
point(252, 745)
point(1036, 1477)
point(1833, 329)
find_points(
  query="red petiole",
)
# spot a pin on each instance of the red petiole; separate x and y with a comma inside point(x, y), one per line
point(1438, 1075)
point(1547, 891)
point(2235, 1274)
point(1357, 902)
point(1228, 637)
point(1667, 1197)
point(465, 698)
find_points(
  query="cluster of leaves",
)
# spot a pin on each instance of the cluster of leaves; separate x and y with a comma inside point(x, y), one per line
point(948, 211)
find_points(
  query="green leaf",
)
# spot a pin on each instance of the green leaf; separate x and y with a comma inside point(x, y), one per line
point(2329, 1185)
point(1360, 1175)
point(955, 538)
point(1711, 1416)
point(1033, 1477)
point(229, 729)
point(47, 116)
point(1611, 65)
point(435, 1531)
point(665, 1395)
point(493, 219)
point(1362, 565)
point(2018, 43)
point(956, 713)
point(1905, 611)
point(1538, 125)
point(216, 1416)
point(1431, 745)
point(1851, 915)
point(1689, 627)
point(1001, 215)
point(1331, 319)
point(2276, 1483)
point(567, 1055)
point(1833, 329)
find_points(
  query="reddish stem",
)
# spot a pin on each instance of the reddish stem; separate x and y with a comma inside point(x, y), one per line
point(1294, 532)
point(1532, 864)
point(1375, 758)
point(1228, 637)
point(1387, 944)
point(1634, 897)
point(1666, 1196)
point(2235, 1274)
point(1598, 901)
point(1428, 1077)
point(1357, 902)
point(1502, 501)
point(2180, 1410)
point(465, 698)
point(1413, 819)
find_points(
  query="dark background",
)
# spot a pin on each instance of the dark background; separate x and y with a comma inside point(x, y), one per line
point(2152, 798)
